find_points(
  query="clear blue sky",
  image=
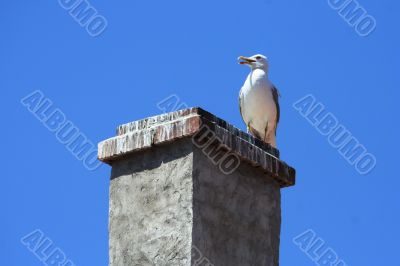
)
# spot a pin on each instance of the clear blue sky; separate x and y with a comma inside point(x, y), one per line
point(152, 49)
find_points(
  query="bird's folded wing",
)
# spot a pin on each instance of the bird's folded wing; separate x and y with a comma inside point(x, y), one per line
point(276, 94)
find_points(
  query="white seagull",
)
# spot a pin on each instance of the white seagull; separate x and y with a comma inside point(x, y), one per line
point(258, 100)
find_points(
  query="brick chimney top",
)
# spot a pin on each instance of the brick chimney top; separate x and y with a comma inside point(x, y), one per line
point(165, 128)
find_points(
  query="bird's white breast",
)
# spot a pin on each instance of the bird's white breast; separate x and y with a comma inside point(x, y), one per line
point(258, 106)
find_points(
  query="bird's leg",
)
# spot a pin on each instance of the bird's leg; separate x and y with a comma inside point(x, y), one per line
point(265, 133)
point(248, 128)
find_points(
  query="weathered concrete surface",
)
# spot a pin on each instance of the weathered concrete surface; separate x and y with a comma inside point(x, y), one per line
point(165, 200)
point(236, 217)
point(170, 204)
point(151, 213)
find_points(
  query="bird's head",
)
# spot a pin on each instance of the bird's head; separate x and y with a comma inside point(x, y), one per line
point(257, 61)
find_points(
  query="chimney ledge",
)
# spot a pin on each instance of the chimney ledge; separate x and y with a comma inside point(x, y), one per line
point(161, 129)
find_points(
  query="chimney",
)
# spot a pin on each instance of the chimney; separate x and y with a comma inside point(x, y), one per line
point(187, 188)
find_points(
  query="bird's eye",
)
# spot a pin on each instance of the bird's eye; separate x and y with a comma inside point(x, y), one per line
point(258, 57)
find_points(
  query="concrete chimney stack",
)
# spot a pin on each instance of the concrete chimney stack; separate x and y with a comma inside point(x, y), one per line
point(187, 188)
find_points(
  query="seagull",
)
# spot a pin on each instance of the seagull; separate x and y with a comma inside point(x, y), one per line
point(258, 100)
